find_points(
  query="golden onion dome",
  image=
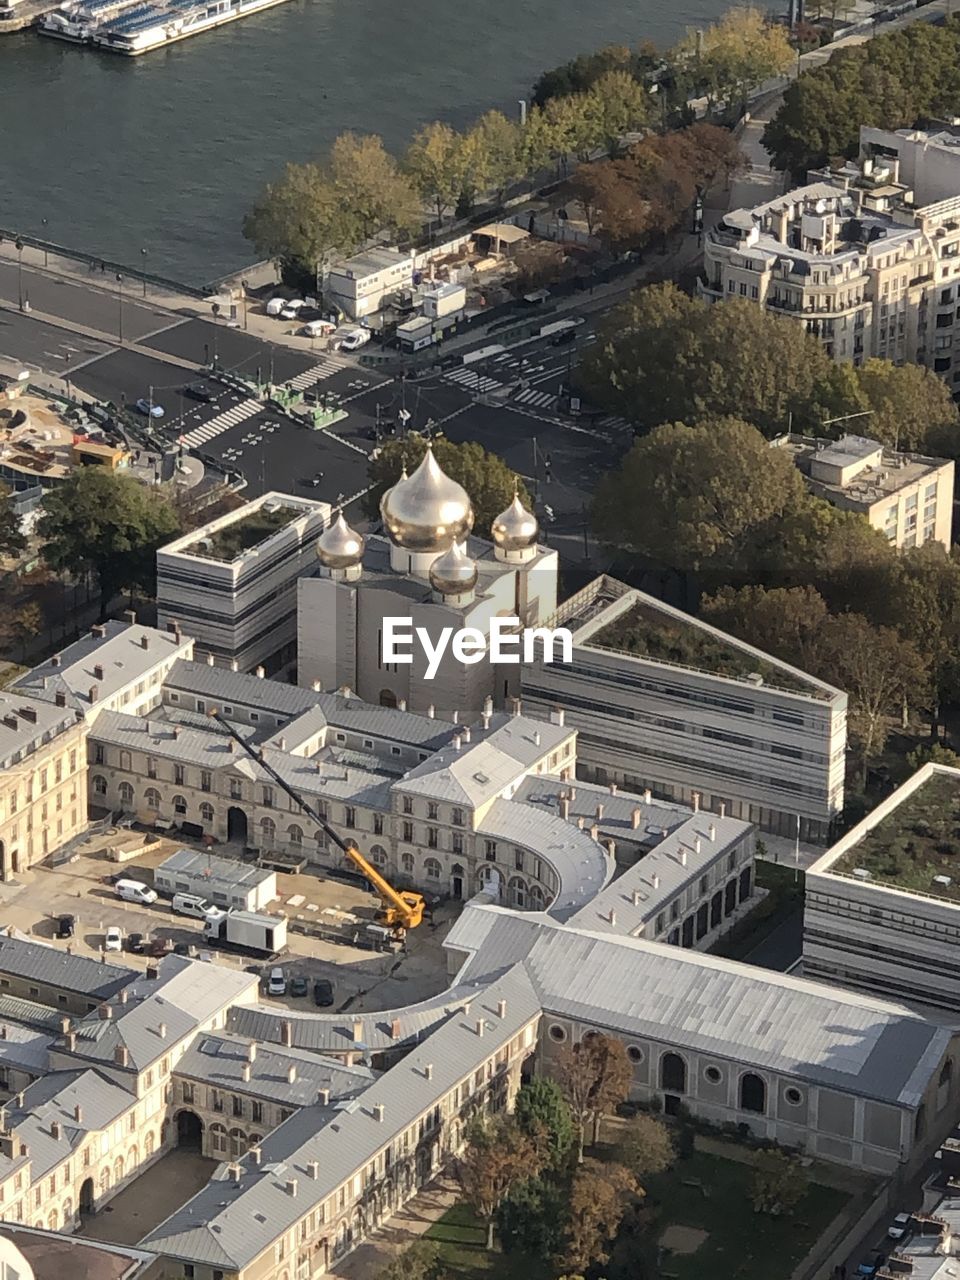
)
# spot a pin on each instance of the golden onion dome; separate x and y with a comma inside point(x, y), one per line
point(454, 572)
point(426, 511)
point(516, 528)
point(339, 546)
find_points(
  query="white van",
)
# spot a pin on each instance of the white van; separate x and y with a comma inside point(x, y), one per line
point(317, 329)
point(135, 891)
point(275, 306)
point(354, 339)
point(191, 904)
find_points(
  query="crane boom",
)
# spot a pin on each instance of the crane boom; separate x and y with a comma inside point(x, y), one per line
point(404, 909)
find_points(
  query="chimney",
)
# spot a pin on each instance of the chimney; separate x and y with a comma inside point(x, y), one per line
point(378, 1111)
point(98, 631)
point(613, 916)
point(357, 1031)
point(259, 672)
point(281, 744)
point(613, 788)
point(286, 1033)
point(637, 897)
point(594, 832)
point(172, 627)
point(456, 716)
point(71, 1041)
point(55, 1130)
point(144, 642)
point(401, 704)
point(696, 801)
point(536, 737)
point(696, 845)
point(712, 831)
point(78, 1113)
point(313, 1169)
point(209, 659)
point(106, 1012)
point(255, 1155)
point(599, 812)
point(176, 731)
point(60, 698)
point(235, 1172)
point(65, 1025)
point(234, 664)
point(488, 706)
point(457, 741)
point(635, 816)
point(291, 1074)
point(121, 1056)
point(581, 822)
point(98, 671)
point(485, 719)
point(252, 1051)
point(501, 1008)
point(683, 857)
point(152, 973)
point(93, 693)
point(611, 847)
point(162, 1031)
point(323, 1097)
point(557, 717)
point(395, 1029)
point(466, 733)
point(647, 796)
point(291, 1186)
point(245, 1072)
point(431, 711)
point(480, 1026)
point(655, 881)
point(565, 808)
point(316, 686)
point(55, 660)
point(723, 809)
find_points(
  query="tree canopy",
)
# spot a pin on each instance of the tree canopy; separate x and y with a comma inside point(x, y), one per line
point(12, 539)
point(499, 1155)
point(102, 523)
point(594, 1077)
point(542, 1112)
point(732, 56)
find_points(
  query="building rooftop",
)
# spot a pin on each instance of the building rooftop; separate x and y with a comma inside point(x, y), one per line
point(225, 873)
point(52, 1256)
point(28, 723)
point(54, 1115)
point(48, 965)
point(232, 536)
point(880, 472)
point(370, 262)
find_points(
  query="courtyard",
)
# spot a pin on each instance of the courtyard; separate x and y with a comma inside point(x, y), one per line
point(149, 1199)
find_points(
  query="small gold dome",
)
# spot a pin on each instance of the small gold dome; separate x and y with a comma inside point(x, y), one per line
point(454, 572)
point(426, 511)
point(516, 528)
point(339, 546)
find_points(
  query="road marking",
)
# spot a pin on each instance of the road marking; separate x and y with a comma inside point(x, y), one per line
point(326, 368)
point(222, 422)
point(473, 381)
point(536, 399)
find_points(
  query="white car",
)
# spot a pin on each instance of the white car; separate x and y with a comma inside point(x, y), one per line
point(277, 983)
point(899, 1227)
point(275, 306)
point(113, 939)
point(354, 340)
point(292, 309)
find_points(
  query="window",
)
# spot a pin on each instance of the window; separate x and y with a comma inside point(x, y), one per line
point(151, 767)
point(634, 1053)
point(256, 1111)
point(457, 817)
point(673, 1073)
point(406, 862)
point(433, 841)
point(793, 1096)
point(178, 775)
point(349, 816)
point(457, 842)
point(98, 753)
point(518, 859)
point(268, 797)
point(186, 1091)
point(407, 805)
point(432, 868)
point(408, 832)
point(753, 1093)
point(206, 780)
point(713, 1074)
point(126, 795)
point(238, 1107)
point(295, 834)
point(236, 789)
point(151, 798)
point(378, 824)
point(490, 850)
point(433, 811)
point(99, 787)
point(558, 1033)
point(179, 805)
point(206, 811)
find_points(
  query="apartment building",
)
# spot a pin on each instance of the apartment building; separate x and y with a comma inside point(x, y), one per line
point(858, 257)
point(882, 908)
point(907, 496)
point(231, 584)
point(666, 703)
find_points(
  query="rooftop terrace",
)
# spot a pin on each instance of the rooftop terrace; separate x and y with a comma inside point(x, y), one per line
point(244, 534)
point(915, 843)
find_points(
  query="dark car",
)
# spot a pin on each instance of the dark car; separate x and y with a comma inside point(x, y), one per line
point(323, 993)
point(299, 985)
point(871, 1265)
point(205, 392)
point(136, 943)
point(65, 926)
point(561, 339)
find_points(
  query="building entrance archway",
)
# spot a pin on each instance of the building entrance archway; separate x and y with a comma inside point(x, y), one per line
point(189, 1130)
point(236, 824)
point(86, 1198)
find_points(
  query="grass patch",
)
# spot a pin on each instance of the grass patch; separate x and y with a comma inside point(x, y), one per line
point(462, 1240)
point(233, 539)
point(784, 897)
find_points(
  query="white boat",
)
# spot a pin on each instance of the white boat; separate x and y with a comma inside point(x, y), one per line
point(77, 21)
point(151, 26)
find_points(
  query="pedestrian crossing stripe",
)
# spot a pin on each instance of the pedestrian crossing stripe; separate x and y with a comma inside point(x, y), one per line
point(473, 381)
point(539, 399)
point(222, 422)
point(325, 369)
point(612, 422)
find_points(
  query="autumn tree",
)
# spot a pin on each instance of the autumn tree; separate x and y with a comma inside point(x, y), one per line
point(779, 1183)
point(911, 407)
point(419, 1261)
point(692, 496)
point(498, 1155)
point(12, 539)
point(599, 1196)
point(785, 622)
point(581, 73)
point(485, 476)
point(934, 753)
point(494, 148)
point(103, 523)
point(371, 187)
point(300, 219)
point(436, 160)
point(594, 1077)
point(646, 1147)
point(732, 57)
point(615, 105)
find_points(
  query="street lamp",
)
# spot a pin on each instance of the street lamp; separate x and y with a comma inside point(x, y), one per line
point(143, 256)
point(43, 223)
point(19, 247)
point(120, 307)
point(215, 308)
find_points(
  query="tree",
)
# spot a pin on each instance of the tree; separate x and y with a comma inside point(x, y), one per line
point(598, 1199)
point(26, 621)
point(371, 187)
point(419, 1261)
point(485, 476)
point(785, 622)
point(495, 150)
point(530, 1219)
point(544, 1115)
point(912, 408)
point(615, 105)
point(689, 497)
point(733, 56)
point(302, 219)
point(646, 1148)
point(935, 753)
point(581, 73)
point(779, 1183)
point(12, 538)
point(594, 1077)
point(498, 1155)
point(109, 525)
point(437, 162)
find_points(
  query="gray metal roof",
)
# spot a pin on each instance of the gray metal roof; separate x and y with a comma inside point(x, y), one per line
point(656, 816)
point(24, 1048)
point(26, 723)
point(219, 1058)
point(28, 1013)
point(228, 873)
point(55, 1098)
point(54, 967)
point(229, 1224)
point(121, 654)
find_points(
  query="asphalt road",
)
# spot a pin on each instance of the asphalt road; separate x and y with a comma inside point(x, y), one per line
point(34, 344)
point(102, 305)
point(237, 352)
point(124, 375)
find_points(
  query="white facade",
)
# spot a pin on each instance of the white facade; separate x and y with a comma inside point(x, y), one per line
point(241, 606)
point(359, 285)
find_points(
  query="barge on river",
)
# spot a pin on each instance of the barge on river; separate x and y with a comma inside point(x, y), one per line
point(132, 27)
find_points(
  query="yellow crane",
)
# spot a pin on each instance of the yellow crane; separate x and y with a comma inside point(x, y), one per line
point(398, 910)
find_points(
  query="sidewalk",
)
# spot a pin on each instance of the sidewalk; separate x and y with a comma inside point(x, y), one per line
point(413, 1221)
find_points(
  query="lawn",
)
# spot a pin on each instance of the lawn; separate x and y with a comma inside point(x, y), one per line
point(462, 1241)
point(740, 1244)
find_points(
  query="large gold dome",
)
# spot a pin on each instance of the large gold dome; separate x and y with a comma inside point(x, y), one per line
point(454, 572)
point(516, 528)
point(339, 546)
point(426, 511)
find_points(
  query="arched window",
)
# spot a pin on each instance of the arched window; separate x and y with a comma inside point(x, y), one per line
point(218, 1138)
point(118, 1169)
point(180, 805)
point(238, 1143)
point(148, 1143)
point(206, 811)
point(52, 1221)
point(104, 1180)
point(99, 784)
point(753, 1093)
point(432, 868)
point(295, 833)
point(68, 1212)
point(518, 892)
point(151, 798)
point(388, 698)
point(268, 829)
point(673, 1073)
point(126, 795)
point(536, 898)
point(406, 861)
point(378, 855)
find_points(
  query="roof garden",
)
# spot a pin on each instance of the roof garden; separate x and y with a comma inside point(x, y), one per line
point(916, 843)
point(648, 633)
point(244, 534)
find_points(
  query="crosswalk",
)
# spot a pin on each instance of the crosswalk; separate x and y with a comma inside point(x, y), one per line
point(611, 422)
point(472, 380)
point(325, 368)
point(536, 399)
point(222, 422)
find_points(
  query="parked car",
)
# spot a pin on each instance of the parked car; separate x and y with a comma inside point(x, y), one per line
point(354, 339)
point(899, 1227)
point(136, 943)
point(323, 993)
point(65, 926)
point(277, 983)
point(205, 392)
point(191, 904)
point(135, 891)
point(275, 306)
point(113, 939)
point(292, 309)
point(148, 408)
point(299, 985)
point(870, 1266)
point(316, 328)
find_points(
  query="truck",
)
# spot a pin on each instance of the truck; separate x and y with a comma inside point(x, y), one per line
point(249, 931)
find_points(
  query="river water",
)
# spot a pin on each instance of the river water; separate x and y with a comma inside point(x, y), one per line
point(166, 152)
